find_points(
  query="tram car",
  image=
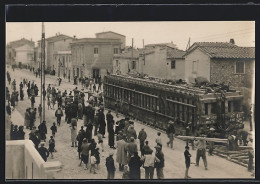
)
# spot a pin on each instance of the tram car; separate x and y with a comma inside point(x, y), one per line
point(155, 102)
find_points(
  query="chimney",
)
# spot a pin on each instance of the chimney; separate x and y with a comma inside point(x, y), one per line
point(232, 41)
point(74, 36)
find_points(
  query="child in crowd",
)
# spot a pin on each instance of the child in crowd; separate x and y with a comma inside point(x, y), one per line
point(92, 163)
point(97, 156)
point(126, 173)
point(187, 156)
point(100, 140)
point(53, 129)
point(49, 103)
point(51, 146)
point(158, 139)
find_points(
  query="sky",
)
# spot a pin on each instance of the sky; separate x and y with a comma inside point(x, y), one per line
point(243, 32)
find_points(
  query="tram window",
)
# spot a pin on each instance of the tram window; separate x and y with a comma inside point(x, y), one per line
point(236, 106)
point(206, 109)
point(222, 107)
point(229, 106)
point(214, 108)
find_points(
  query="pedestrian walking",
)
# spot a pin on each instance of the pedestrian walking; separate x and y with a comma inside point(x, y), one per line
point(93, 163)
point(187, 156)
point(146, 147)
point(158, 139)
point(51, 145)
point(101, 122)
point(250, 156)
point(84, 153)
point(53, 129)
point(13, 133)
point(131, 132)
point(201, 152)
point(149, 159)
point(73, 130)
point(27, 119)
point(134, 165)
point(32, 101)
point(42, 130)
point(121, 156)
point(110, 165)
point(170, 133)
point(211, 143)
point(21, 94)
point(142, 136)
point(43, 152)
point(159, 165)
point(97, 156)
point(40, 110)
point(49, 103)
point(58, 114)
point(131, 148)
point(100, 140)
point(80, 138)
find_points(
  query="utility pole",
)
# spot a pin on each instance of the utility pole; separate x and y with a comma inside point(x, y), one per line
point(143, 51)
point(43, 85)
point(188, 45)
point(132, 51)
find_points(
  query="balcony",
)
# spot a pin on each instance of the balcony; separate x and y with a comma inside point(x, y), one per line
point(24, 162)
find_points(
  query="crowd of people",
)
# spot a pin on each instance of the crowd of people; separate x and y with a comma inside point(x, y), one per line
point(122, 136)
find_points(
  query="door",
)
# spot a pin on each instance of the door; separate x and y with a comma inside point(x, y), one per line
point(95, 73)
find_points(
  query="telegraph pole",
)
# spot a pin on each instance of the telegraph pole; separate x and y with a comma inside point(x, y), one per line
point(41, 77)
point(43, 85)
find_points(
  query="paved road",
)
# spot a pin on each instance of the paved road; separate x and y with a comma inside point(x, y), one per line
point(174, 159)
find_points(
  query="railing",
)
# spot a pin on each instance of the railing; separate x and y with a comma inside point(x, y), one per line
point(24, 162)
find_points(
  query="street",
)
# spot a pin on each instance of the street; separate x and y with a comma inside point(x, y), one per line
point(174, 159)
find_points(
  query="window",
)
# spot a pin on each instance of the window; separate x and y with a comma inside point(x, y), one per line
point(95, 50)
point(116, 62)
point(115, 50)
point(173, 64)
point(133, 64)
point(240, 67)
point(194, 66)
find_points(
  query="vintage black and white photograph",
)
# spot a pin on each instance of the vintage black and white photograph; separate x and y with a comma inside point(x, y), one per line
point(130, 100)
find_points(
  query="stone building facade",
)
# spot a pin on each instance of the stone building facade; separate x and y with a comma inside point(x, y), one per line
point(113, 35)
point(92, 57)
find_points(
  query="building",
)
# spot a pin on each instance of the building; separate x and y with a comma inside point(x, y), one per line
point(53, 44)
point(20, 52)
point(220, 62)
point(63, 63)
point(128, 61)
point(113, 35)
point(92, 57)
point(160, 61)
point(165, 63)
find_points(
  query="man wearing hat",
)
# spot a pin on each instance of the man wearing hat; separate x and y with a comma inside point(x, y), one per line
point(121, 156)
point(110, 166)
point(201, 151)
point(170, 133)
point(43, 152)
point(131, 148)
point(142, 136)
point(159, 165)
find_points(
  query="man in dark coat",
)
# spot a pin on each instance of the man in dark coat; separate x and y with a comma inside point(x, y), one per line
point(43, 152)
point(110, 167)
point(102, 123)
point(32, 101)
point(134, 165)
point(159, 165)
point(43, 130)
point(20, 133)
point(142, 136)
point(110, 129)
point(34, 139)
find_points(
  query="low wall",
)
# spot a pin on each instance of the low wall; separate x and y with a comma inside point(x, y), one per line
point(24, 162)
